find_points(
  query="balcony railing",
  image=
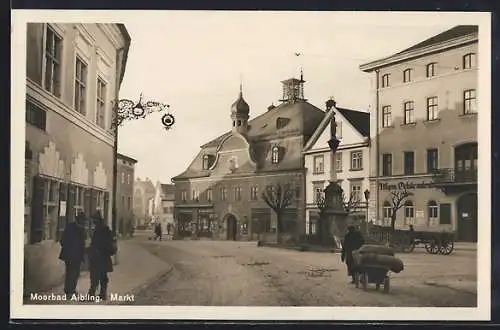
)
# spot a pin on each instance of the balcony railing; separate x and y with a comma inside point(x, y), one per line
point(451, 175)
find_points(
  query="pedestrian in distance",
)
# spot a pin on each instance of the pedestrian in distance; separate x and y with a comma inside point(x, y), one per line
point(169, 228)
point(158, 231)
point(353, 240)
point(73, 252)
point(102, 247)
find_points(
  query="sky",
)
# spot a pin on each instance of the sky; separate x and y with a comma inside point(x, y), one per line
point(195, 61)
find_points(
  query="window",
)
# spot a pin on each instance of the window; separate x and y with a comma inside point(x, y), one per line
point(254, 191)
point(123, 202)
point(101, 103)
point(50, 209)
point(282, 122)
point(36, 116)
point(409, 113)
point(407, 75)
point(409, 213)
point(275, 155)
point(356, 189)
point(356, 160)
point(128, 178)
point(209, 195)
point(183, 195)
point(338, 162)
point(386, 80)
point(123, 177)
point(386, 116)
point(339, 130)
point(80, 86)
point(53, 47)
point(196, 195)
point(297, 192)
point(223, 193)
point(205, 162)
point(387, 213)
point(470, 105)
point(386, 164)
point(409, 162)
point(430, 70)
point(432, 160)
point(469, 61)
point(319, 162)
point(129, 203)
point(100, 202)
point(318, 188)
point(433, 213)
point(237, 193)
point(432, 108)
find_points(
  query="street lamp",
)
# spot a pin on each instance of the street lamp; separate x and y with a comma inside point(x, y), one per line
point(125, 110)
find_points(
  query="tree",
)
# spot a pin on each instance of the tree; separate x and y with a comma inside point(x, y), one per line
point(350, 203)
point(397, 199)
point(278, 197)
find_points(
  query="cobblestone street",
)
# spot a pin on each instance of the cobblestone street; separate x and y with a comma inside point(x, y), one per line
point(221, 273)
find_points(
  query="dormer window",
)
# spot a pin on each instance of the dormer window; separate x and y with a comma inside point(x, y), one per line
point(275, 157)
point(407, 75)
point(205, 162)
point(281, 122)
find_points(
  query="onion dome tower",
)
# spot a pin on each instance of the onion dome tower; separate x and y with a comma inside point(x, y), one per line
point(240, 114)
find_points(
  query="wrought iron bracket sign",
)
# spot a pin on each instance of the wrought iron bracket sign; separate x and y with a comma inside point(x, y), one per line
point(126, 110)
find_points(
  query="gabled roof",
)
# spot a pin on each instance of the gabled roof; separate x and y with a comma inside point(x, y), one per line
point(358, 119)
point(168, 189)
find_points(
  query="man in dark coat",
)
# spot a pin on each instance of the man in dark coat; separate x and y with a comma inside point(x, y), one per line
point(73, 252)
point(102, 247)
point(353, 240)
point(158, 231)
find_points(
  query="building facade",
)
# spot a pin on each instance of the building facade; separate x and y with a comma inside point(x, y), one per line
point(348, 166)
point(220, 193)
point(125, 193)
point(144, 193)
point(73, 75)
point(164, 203)
point(424, 134)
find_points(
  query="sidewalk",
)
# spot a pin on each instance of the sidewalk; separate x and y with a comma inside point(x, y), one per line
point(136, 269)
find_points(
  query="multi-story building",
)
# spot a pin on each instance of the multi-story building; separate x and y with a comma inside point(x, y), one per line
point(348, 166)
point(164, 203)
point(424, 133)
point(125, 193)
point(221, 190)
point(144, 193)
point(73, 75)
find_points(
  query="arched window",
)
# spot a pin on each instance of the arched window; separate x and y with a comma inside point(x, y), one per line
point(432, 212)
point(387, 213)
point(431, 70)
point(407, 75)
point(206, 163)
point(409, 213)
point(275, 156)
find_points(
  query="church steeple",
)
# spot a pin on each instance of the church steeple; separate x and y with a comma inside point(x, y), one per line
point(240, 113)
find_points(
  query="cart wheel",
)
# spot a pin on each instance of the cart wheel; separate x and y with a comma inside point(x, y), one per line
point(364, 282)
point(446, 248)
point(428, 247)
point(435, 248)
point(387, 284)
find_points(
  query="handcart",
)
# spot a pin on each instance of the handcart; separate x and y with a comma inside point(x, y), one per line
point(373, 274)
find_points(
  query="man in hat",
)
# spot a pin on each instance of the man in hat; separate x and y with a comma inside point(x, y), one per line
point(73, 252)
point(353, 240)
point(102, 247)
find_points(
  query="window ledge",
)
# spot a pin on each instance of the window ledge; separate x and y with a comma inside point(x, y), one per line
point(316, 173)
point(409, 125)
point(355, 169)
point(468, 115)
point(432, 121)
point(390, 126)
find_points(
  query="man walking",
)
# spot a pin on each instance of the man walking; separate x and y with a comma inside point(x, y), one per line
point(73, 252)
point(353, 240)
point(102, 247)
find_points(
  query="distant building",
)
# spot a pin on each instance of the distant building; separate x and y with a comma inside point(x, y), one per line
point(164, 203)
point(349, 168)
point(221, 190)
point(125, 193)
point(144, 193)
point(424, 133)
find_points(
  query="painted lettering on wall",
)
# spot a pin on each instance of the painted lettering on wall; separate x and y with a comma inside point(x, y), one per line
point(406, 184)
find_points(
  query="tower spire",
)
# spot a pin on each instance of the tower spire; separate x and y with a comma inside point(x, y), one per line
point(241, 84)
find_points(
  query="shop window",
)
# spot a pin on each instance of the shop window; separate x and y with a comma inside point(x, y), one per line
point(433, 213)
point(409, 209)
point(387, 213)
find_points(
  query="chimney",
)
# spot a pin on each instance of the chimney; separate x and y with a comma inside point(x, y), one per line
point(271, 107)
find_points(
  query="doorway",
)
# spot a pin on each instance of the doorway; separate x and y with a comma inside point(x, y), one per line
point(232, 227)
point(467, 218)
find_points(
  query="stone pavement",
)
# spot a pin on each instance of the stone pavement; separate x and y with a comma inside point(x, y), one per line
point(136, 268)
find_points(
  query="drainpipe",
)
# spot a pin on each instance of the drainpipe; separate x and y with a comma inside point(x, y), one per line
point(377, 144)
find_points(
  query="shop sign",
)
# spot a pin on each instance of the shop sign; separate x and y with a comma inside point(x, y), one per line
point(409, 185)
